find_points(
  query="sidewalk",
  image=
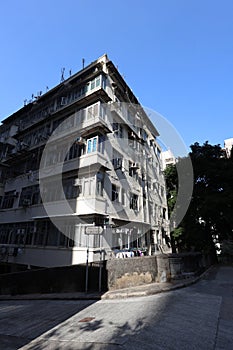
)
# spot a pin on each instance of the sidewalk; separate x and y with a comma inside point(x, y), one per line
point(137, 291)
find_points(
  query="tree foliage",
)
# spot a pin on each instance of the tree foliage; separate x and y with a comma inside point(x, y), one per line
point(210, 212)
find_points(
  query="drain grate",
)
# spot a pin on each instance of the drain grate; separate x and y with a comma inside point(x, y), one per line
point(87, 319)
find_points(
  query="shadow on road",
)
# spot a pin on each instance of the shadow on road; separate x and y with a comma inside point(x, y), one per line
point(23, 321)
point(189, 318)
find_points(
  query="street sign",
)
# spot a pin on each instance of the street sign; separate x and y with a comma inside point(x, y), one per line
point(94, 230)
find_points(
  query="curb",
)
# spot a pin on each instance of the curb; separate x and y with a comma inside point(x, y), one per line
point(123, 293)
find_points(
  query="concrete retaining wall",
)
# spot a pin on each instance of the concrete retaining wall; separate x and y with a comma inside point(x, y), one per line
point(122, 273)
point(116, 274)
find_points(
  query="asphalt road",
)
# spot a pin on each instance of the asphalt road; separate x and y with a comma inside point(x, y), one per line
point(196, 317)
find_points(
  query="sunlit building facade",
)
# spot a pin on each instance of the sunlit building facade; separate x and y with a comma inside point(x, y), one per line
point(83, 154)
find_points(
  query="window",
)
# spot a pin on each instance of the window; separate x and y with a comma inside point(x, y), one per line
point(96, 241)
point(103, 111)
point(123, 196)
point(89, 186)
point(117, 163)
point(117, 160)
point(133, 201)
point(144, 135)
point(164, 213)
point(118, 130)
point(100, 184)
point(132, 142)
point(131, 117)
point(104, 82)
point(101, 141)
point(8, 200)
point(67, 239)
point(133, 170)
point(69, 188)
point(95, 82)
point(4, 233)
point(36, 195)
point(115, 193)
point(92, 111)
point(52, 235)
point(41, 233)
point(29, 195)
point(96, 143)
point(92, 145)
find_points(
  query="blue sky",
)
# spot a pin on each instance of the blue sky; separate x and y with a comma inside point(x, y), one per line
point(176, 55)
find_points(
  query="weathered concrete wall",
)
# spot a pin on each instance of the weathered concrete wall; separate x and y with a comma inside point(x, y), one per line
point(163, 272)
point(122, 273)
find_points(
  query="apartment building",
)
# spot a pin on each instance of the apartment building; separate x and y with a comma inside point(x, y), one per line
point(168, 158)
point(228, 144)
point(80, 170)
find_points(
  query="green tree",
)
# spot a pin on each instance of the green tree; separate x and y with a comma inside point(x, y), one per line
point(210, 212)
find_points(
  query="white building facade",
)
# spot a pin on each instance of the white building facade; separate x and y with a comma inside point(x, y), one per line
point(168, 158)
point(228, 144)
point(84, 154)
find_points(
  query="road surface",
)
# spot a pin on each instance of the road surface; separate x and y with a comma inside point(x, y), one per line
point(196, 317)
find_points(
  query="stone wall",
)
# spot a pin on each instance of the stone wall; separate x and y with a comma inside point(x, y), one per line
point(122, 273)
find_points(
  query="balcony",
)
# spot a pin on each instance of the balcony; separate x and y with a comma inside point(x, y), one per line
point(93, 161)
point(90, 205)
point(80, 128)
point(54, 209)
point(93, 124)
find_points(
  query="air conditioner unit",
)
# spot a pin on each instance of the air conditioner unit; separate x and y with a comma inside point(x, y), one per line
point(133, 135)
point(77, 182)
point(135, 166)
point(80, 141)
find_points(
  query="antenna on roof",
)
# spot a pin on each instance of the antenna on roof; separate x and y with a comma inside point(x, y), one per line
point(83, 62)
point(70, 72)
point(62, 74)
